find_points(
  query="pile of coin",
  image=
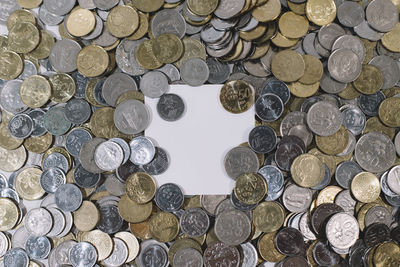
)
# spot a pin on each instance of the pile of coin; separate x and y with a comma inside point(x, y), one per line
point(317, 183)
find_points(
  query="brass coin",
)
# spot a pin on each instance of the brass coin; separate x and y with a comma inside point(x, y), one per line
point(391, 40)
point(253, 34)
point(102, 123)
point(140, 187)
point(29, 4)
point(3, 43)
point(131, 94)
point(9, 214)
point(164, 227)
point(313, 71)
point(38, 144)
point(167, 48)
point(148, 6)
point(391, 92)
point(389, 111)
point(192, 48)
point(12, 160)
point(141, 230)
point(202, 7)
point(307, 170)
point(292, 25)
point(250, 188)
point(86, 217)
point(349, 92)
point(142, 28)
point(101, 241)
point(11, 65)
point(122, 21)
point(268, 11)
point(365, 187)
point(181, 244)
point(303, 90)
point(6, 140)
point(328, 195)
point(266, 248)
point(27, 184)
point(299, 9)
point(61, 150)
point(260, 50)
point(321, 12)
point(20, 15)
point(282, 41)
point(145, 55)
point(236, 96)
point(370, 80)
point(80, 22)
point(133, 212)
point(89, 92)
point(23, 37)
point(268, 216)
point(35, 91)
point(288, 66)
point(132, 243)
point(374, 124)
point(327, 159)
point(42, 51)
point(64, 87)
point(333, 144)
point(387, 255)
point(92, 61)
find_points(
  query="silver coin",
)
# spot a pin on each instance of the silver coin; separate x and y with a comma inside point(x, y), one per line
point(51, 179)
point(350, 42)
point(213, 36)
point(240, 160)
point(385, 187)
point(83, 254)
point(187, 257)
point(68, 223)
point(108, 156)
point(232, 227)
point(210, 203)
point(227, 205)
point(365, 31)
point(303, 133)
point(344, 65)
point(297, 199)
point(16, 257)
point(378, 214)
point(61, 252)
point(77, 111)
point(154, 84)
point(354, 119)
point(4, 244)
point(170, 107)
point(324, 119)
point(308, 45)
point(54, 121)
point(125, 147)
point(68, 197)
point(159, 164)
point(6, 8)
point(393, 179)
point(169, 197)
point(382, 15)
point(227, 255)
point(18, 239)
point(304, 226)
point(350, 14)
point(105, 39)
point(118, 255)
point(10, 98)
point(397, 143)
point(55, 160)
point(105, 4)
point(86, 155)
point(20, 126)
point(37, 116)
point(153, 254)
point(59, 7)
point(38, 247)
point(75, 139)
point(345, 172)
point(142, 150)
point(59, 222)
point(342, 230)
point(10, 193)
point(269, 107)
point(171, 71)
point(131, 117)
point(194, 222)
point(63, 55)
point(389, 69)
point(88, 4)
point(346, 201)
point(292, 119)
point(227, 9)
point(194, 71)
point(375, 152)
point(115, 85)
point(38, 222)
point(168, 21)
point(125, 56)
point(328, 34)
point(114, 186)
point(29, 70)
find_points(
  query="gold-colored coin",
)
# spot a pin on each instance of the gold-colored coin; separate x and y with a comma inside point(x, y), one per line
point(92, 61)
point(192, 48)
point(89, 92)
point(260, 50)
point(132, 243)
point(391, 40)
point(387, 255)
point(29, 4)
point(292, 25)
point(145, 55)
point(102, 123)
point(35, 91)
point(64, 87)
point(7, 141)
point(142, 29)
point(253, 34)
point(42, 51)
point(268, 216)
point(23, 37)
point(326, 159)
point(148, 6)
point(333, 144)
point(299, 9)
point(27, 184)
point(131, 94)
point(389, 111)
point(236, 96)
point(133, 212)
point(349, 92)
point(141, 230)
point(64, 33)
point(86, 217)
point(284, 42)
point(9, 214)
point(101, 241)
point(122, 21)
point(313, 71)
point(370, 50)
point(11, 65)
point(373, 124)
point(303, 90)
point(3, 43)
point(12, 160)
point(363, 212)
point(365, 187)
point(140, 187)
point(391, 91)
point(167, 48)
point(180, 244)
point(202, 7)
point(321, 12)
point(235, 52)
point(164, 227)
point(307, 170)
point(268, 11)
point(370, 80)
point(328, 195)
point(250, 188)
point(211, 237)
point(266, 248)
point(38, 144)
point(20, 15)
point(192, 202)
point(80, 22)
point(310, 257)
point(288, 66)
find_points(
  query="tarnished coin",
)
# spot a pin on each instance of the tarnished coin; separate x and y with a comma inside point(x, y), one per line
point(227, 255)
point(131, 117)
point(232, 227)
point(387, 13)
point(55, 121)
point(250, 188)
point(83, 254)
point(63, 55)
point(86, 155)
point(170, 107)
point(350, 14)
point(13, 65)
point(289, 241)
point(164, 226)
point(240, 160)
point(35, 91)
point(169, 197)
point(184, 256)
point(262, 139)
point(194, 222)
point(85, 179)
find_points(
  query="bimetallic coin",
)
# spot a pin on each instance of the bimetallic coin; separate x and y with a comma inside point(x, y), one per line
point(108, 156)
point(38, 247)
point(68, 197)
point(142, 150)
point(38, 222)
point(83, 254)
point(194, 222)
point(51, 179)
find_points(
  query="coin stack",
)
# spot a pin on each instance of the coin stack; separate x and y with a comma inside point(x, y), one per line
point(317, 183)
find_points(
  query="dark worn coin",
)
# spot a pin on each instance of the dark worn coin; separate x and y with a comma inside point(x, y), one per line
point(55, 121)
point(85, 179)
point(153, 255)
point(324, 255)
point(321, 214)
point(220, 254)
point(290, 241)
point(77, 111)
point(297, 261)
point(110, 220)
point(277, 87)
point(269, 107)
point(288, 150)
point(159, 164)
point(125, 170)
point(86, 155)
point(240, 160)
point(369, 104)
point(75, 139)
point(219, 71)
point(170, 107)
point(262, 139)
point(395, 234)
point(240, 205)
point(376, 233)
point(37, 116)
point(345, 173)
point(194, 222)
point(169, 197)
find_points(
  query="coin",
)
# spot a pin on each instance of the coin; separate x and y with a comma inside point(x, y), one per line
point(315, 167)
point(12, 65)
point(365, 187)
point(140, 187)
point(240, 160)
point(92, 61)
point(313, 11)
point(11, 214)
point(68, 197)
point(288, 66)
point(23, 37)
point(237, 96)
point(164, 227)
point(167, 48)
point(108, 156)
point(122, 21)
point(83, 253)
point(250, 188)
point(194, 71)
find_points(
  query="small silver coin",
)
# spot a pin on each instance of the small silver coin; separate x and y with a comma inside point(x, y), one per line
point(61, 252)
point(194, 222)
point(240, 160)
point(131, 117)
point(16, 257)
point(170, 107)
point(37, 116)
point(118, 255)
point(68, 197)
point(75, 139)
point(38, 247)
point(59, 222)
point(20, 126)
point(55, 160)
point(125, 147)
point(126, 59)
point(85, 179)
point(194, 71)
point(108, 156)
point(232, 227)
point(4, 244)
point(38, 222)
point(10, 98)
point(159, 164)
point(324, 119)
point(51, 179)
point(187, 256)
point(142, 150)
point(269, 107)
point(83, 254)
point(342, 223)
point(154, 84)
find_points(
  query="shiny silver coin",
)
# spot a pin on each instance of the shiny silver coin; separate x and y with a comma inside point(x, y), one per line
point(142, 150)
point(108, 156)
point(83, 254)
point(131, 117)
point(38, 247)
